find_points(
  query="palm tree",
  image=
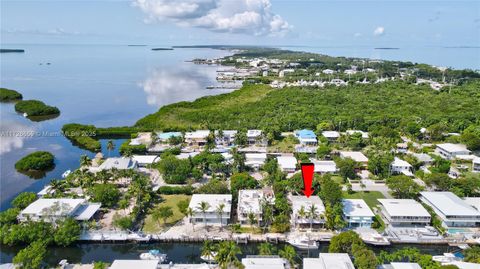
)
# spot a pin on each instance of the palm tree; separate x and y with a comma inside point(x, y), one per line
point(302, 213)
point(203, 207)
point(85, 160)
point(208, 250)
point(289, 254)
point(251, 219)
point(312, 214)
point(266, 249)
point(56, 185)
point(220, 211)
point(189, 214)
point(227, 255)
point(267, 213)
point(110, 146)
point(238, 160)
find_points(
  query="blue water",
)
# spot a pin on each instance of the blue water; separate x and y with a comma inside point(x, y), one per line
point(100, 85)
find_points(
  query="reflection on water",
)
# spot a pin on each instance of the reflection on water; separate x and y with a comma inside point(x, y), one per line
point(12, 135)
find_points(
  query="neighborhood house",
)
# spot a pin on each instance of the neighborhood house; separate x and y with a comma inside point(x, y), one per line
point(404, 212)
point(302, 208)
point(208, 214)
point(449, 151)
point(287, 164)
point(251, 202)
point(50, 210)
point(357, 213)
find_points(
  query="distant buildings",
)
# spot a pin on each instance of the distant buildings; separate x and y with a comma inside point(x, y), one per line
point(331, 135)
point(476, 165)
point(301, 206)
point(400, 265)
point(51, 210)
point(453, 211)
point(351, 132)
point(142, 139)
point(357, 214)
point(165, 137)
point(145, 160)
point(129, 264)
point(399, 166)
point(252, 202)
point(212, 202)
point(287, 164)
point(324, 167)
point(449, 151)
point(329, 261)
point(226, 139)
point(404, 212)
point(255, 137)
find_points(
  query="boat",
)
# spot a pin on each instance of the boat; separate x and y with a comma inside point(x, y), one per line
point(66, 173)
point(210, 257)
point(25, 115)
point(304, 243)
point(154, 254)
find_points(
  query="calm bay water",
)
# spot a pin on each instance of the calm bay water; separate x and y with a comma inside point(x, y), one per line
point(115, 86)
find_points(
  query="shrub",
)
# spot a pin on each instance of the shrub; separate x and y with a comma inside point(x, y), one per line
point(36, 108)
point(38, 161)
point(188, 190)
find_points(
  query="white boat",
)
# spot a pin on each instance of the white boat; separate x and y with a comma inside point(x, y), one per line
point(304, 243)
point(66, 173)
point(25, 115)
point(154, 254)
point(209, 258)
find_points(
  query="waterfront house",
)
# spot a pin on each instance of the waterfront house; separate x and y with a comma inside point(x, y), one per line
point(165, 137)
point(473, 201)
point(197, 138)
point(453, 211)
point(356, 156)
point(287, 164)
point(51, 210)
point(476, 165)
point(324, 167)
point(265, 262)
point(252, 202)
point(145, 160)
point(399, 166)
point(211, 215)
point(404, 212)
point(255, 160)
point(301, 208)
point(306, 137)
point(129, 264)
point(351, 132)
point(227, 138)
point(255, 137)
point(331, 136)
point(402, 147)
point(449, 151)
point(329, 261)
point(119, 163)
point(357, 213)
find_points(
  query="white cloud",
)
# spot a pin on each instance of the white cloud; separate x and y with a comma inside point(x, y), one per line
point(379, 31)
point(239, 16)
point(13, 135)
point(357, 35)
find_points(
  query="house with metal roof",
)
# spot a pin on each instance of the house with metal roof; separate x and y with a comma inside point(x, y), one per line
point(453, 211)
point(357, 213)
point(213, 202)
point(404, 212)
point(329, 261)
point(450, 151)
point(306, 137)
point(51, 210)
point(287, 164)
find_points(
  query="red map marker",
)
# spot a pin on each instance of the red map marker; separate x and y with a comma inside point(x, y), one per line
point(307, 175)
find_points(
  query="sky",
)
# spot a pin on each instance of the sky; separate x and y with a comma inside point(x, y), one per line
point(248, 22)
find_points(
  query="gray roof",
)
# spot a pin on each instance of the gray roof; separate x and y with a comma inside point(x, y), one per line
point(450, 204)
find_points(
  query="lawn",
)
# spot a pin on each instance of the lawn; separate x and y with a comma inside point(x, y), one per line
point(370, 197)
point(151, 226)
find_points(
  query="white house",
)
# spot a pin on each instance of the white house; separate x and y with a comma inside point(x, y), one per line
point(306, 137)
point(423, 158)
point(255, 160)
point(329, 261)
point(404, 212)
point(197, 138)
point(400, 265)
point(120, 163)
point(357, 213)
point(300, 202)
point(252, 201)
point(211, 215)
point(255, 137)
point(287, 164)
point(331, 135)
point(144, 160)
point(399, 166)
point(50, 210)
point(449, 151)
point(265, 262)
point(355, 155)
point(453, 211)
point(226, 139)
point(324, 167)
point(402, 147)
point(476, 165)
point(142, 139)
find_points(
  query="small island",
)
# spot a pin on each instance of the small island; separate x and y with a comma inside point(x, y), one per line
point(162, 48)
point(7, 95)
point(35, 108)
point(36, 164)
point(12, 50)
